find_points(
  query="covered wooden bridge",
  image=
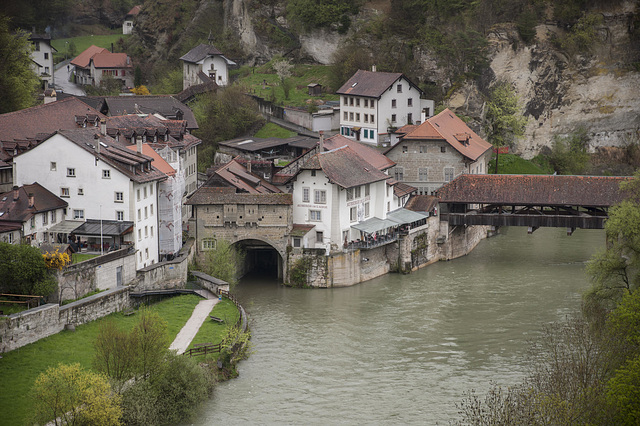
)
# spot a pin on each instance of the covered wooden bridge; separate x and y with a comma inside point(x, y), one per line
point(530, 200)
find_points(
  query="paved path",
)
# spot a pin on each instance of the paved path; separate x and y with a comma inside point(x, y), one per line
point(190, 329)
point(61, 77)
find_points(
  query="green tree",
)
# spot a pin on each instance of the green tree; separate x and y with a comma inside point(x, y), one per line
point(115, 354)
point(137, 77)
point(170, 83)
point(504, 124)
point(569, 154)
point(150, 342)
point(69, 395)
point(23, 270)
point(616, 271)
point(223, 262)
point(18, 81)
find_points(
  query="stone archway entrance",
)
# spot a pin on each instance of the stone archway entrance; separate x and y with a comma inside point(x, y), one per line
point(261, 258)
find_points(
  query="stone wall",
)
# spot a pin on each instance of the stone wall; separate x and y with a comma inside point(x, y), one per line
point(168, 274)
point(460, 240)
point(99, 273)
point(29, 326)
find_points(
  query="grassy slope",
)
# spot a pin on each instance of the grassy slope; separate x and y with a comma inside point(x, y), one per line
point(272, 130)
point(19, 368)
point(511, 164)
point(212, 331)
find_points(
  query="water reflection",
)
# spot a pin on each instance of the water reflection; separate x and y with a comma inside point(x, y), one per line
point(402, 349)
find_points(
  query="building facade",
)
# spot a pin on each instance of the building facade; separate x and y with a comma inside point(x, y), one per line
point(205, 63)
point(42, 57)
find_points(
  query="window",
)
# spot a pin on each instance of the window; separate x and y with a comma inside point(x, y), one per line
point(315, 216)
point(33, 221)
point(208, 244)
point(71, 172)
point(119, 215)
point(53, 216)
point(393, 103)
point(422, 174)
point(119, 197)
point(151, 186)
point(366, 131)
point(139, 215)
point(388, 205)
point(409, 118)
point(145, 192)
point(372, 119)
point(305, 195)
point(151, 210)
point(146, 231)
point(367, 190)
point(319, 236)
point(37, 46)
point(443, 149)
point(146, 253)
point(350, 116)
point(353, 214)
point(423, 149)
point(448, 174)
point(349, 194)
point(366, 209)
point(399, 88)
point(350, 101)
point(78, 214)
point(106, 174)
point(357, 116)
point(399, 173)
point(296, 242)
point(357, 102)
point(139, 234)
point(151, 229)
point(64, 192)
point(138, 194)
point(46, 55)
point(45, 218)
point(404, 149)
point(344, 100)
point(313, 173)
point(346, 116)
point(366, 103)
point(53, 166)
point(410, 102)
point(146, 212)
point(80, 191)
point(393, 118)
point(372, 103)
point(357, 192)
point(320, 196)
point(366, 118)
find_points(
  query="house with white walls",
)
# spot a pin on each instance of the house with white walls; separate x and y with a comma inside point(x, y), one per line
point(374, 104)
point(104, 184)
point(129, 19)
point(437, 151)
point(42, 56)
point(95, 64)
point(205, 63)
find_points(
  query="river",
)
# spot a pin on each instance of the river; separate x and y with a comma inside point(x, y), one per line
point(402, 349)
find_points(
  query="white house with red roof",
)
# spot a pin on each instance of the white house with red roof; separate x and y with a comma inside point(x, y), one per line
point(96, 63)
point(437, 151)
point(127, 24)
point(373, 104)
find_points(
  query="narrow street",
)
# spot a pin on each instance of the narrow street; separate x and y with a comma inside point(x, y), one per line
point(61, 80)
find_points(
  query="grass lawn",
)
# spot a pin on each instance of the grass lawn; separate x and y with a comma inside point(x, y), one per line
point(81, 257)
point(272, 130)
point(12, 308)
point(82, 43)
point(511, 164)
point(213, 331)
point(20, 368)
point(253, 78)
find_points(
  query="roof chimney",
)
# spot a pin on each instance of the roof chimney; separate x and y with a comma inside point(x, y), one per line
point(373, 68)
point(103, 127)
point(96, 139)
point(321, 140)
point(249, 165)
point(31, 200)
point(16, 193)
point(139, 144)
point(111, 47)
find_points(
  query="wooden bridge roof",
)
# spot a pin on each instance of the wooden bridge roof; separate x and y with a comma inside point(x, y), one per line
point(547, 190)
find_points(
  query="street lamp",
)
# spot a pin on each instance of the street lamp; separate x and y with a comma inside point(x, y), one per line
point(66, 49)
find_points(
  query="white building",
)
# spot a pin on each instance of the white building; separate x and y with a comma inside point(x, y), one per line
point(205, 63)
point(374, 103)
point(127, 24)
point(42, 57)
point(337, 189)
point(101, 180)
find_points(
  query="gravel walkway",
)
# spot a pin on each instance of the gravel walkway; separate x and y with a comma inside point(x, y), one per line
point(190, 329)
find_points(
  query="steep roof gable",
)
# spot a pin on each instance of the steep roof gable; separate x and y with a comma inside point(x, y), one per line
point(18, 209)
point(111, 60)
point(371, 84)
point(200, 52)
point(84, 59)
point(344, 167)
point(371, 155)
point(459, 135)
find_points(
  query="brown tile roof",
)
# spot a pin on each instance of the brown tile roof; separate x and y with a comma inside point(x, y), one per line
point(542, 190)
point(196, 89)
point(423, 131)
point(344, 167)
point(19, 210)
point(252, 144)
point(368, 83)
point(44, 119)
point(301, 229)
point(134, 10)
point(165, 105)
point(157, 162)
point(401, 189)
point(371, 155)
point(210, 195)
point(111, 60)
point(84, 59)
point(422, 203)
point(236, 175)
point(459, 135)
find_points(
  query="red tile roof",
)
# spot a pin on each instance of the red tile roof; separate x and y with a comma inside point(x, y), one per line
point(44, 119)
point(84, 59)
point(134, 10)
point(371, 155)
point(111, 60)
point(541, 190)
point(158, 162)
